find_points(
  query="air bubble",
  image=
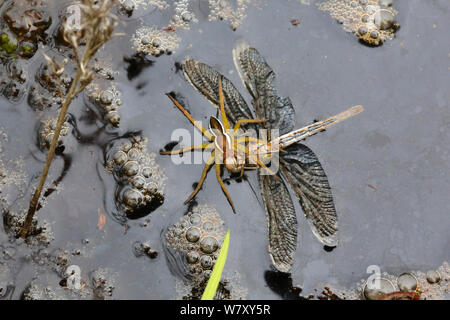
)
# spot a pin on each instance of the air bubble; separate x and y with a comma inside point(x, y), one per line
point(209, 245)
point(195, 219)
point(385, 287)
point(384, 19)
point(147, 172)
point(132, 198)
point(433, 276)
point(407, 282)
point(138, 183)
point(131, 168)
point(106, 97)
point(208, 226)
point(192, 257)
point(206, 262)
point(133, 154)
point(193, 234)
point(120, 158)
point(362, 30)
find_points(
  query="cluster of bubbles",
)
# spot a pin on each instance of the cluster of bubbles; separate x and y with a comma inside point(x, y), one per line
point(47, 90)
point(106, 101)
point(23, 25)
point(129, 6)
point(234, 13)
point(143, 248)
point(13, 78)
point(140, 188)
point(50, 286)
point(433, 284)
point(155, 41)
point(69, 16)
point(13, 221)
point(196, 238)
point(372, 21)
point(46, 132)
point(183, 16)
point(103, 283)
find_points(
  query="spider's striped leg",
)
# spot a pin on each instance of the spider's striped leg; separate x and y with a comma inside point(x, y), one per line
point(201, 146)
point(222, 107)
point(223, 187)
point(208, 164)
point(262, 165)
point(242, 121)
point(204, 131)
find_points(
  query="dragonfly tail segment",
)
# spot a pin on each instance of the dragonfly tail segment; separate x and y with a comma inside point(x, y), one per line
point(292, 137)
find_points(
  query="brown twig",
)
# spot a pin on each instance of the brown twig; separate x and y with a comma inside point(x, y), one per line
point(97, 28)
point(400, 295)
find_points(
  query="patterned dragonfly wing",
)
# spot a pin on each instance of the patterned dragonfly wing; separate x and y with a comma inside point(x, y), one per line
point(281, 221)
point(206, 80)
point(259, 79)
point(302, 169)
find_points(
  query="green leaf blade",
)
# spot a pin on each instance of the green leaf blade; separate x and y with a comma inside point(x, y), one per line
point(216, 274)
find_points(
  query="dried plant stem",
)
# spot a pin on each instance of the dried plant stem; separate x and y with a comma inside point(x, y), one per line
point(51, 154)
point(97, 28)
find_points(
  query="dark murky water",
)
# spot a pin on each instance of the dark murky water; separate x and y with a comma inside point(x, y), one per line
point(398, 145)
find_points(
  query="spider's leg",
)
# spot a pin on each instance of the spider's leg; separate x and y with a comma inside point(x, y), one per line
point(208, 164)
point(223, 187)
point(242, 172)
point(240, 122)
point(262, 165)
point(187, 115)
point(201, 146)
point(222, 107)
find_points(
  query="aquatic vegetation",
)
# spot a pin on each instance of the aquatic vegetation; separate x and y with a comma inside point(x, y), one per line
point(8, 40)
point(372, 21)
point(98, 28)
point(26, 24)
point(154, 41)
point(299, 166)
point(214, 280)
point(140, 181)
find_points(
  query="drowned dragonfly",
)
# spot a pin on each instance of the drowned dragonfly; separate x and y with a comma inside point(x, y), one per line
point(298, 165)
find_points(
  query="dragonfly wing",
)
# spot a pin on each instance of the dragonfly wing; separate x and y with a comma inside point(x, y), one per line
point(281, 221)
point(206, 80)
point(259, 79)
point(302, 169)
